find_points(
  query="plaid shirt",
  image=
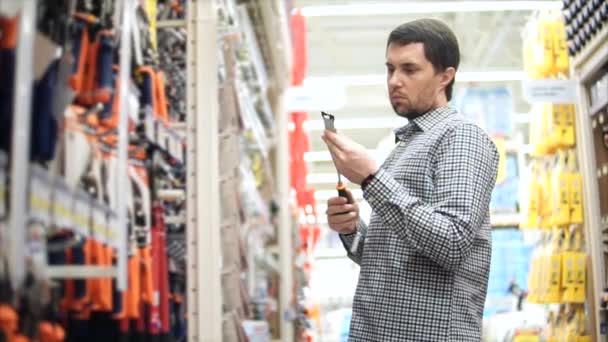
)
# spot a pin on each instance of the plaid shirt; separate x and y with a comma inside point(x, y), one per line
point(425, 257)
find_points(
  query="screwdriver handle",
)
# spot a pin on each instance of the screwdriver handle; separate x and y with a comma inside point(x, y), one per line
point(342, 192)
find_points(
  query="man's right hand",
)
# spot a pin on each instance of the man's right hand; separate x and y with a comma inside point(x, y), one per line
point(343, 217)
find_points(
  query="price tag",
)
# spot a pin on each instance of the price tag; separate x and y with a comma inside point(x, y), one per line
point(175, 145)
point(551, 91)
point(62, 205)
point(149, 124)
point(113, 232)
point(81, 213)
point(40, 195)
point(3, 171)
point(99, 222)
point(161, 135)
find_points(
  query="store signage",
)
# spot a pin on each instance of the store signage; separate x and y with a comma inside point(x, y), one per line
point(551, 91)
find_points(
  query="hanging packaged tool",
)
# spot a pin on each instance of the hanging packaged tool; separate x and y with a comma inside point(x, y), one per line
point(8, 44)
point(551, 332)
point(558, 127)
point(576, 184)
point(579, 258)
point(543, 57)
point(560, 183)
point(569, 138)
point(560, 46)
point(569, 283)
point(554, 259)
point(546, 195)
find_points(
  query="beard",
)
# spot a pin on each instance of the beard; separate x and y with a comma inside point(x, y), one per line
point(409, 113)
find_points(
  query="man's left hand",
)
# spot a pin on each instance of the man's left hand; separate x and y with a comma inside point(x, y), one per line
point(351, 159)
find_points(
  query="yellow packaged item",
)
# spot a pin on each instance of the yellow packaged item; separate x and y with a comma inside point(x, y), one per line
point(544, 54)
point(560, 184)
point(571, 329)
point(560, 46)
point(576, 188)
point(544, 264)
point(583, 333)
point(569, 275)
point(554, 126)
point(533, 201)
point(568, 136)
point(580, 268)
point(546, 195)
point(551, 330)
point(554, 285)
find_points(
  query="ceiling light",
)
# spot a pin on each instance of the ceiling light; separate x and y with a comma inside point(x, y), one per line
point(427, 7)
point(380, 79)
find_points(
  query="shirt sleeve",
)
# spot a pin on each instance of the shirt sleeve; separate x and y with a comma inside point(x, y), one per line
point(465, 166)
point(348, 239)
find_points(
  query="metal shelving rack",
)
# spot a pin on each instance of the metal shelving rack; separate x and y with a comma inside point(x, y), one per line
point(14, 237)
point(204, 257)
point(585, 68)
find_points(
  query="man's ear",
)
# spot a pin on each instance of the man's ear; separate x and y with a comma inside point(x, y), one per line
point(447, 76)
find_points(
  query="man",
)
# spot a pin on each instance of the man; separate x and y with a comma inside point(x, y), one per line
point(425, 256)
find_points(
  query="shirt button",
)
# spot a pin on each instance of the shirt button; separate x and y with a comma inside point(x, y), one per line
point(372, 198)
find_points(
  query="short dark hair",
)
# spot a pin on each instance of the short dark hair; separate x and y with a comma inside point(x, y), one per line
point(440, 44)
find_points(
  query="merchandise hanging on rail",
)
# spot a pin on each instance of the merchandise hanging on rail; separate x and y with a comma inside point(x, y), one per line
point(586, 27)
point(95, 173)
point(553, 200)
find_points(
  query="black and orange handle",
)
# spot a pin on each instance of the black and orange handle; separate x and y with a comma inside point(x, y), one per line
point(342, 192)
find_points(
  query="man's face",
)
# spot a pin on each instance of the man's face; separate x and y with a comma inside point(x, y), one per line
point(413, 84)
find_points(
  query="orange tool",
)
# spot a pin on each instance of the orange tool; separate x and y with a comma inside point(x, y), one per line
point(133, 293)
point(9, 321)
point(50, 332)
point(79, 53)
point(8, 39)
point(161, 97)
point(90, 72)
point(147, 288)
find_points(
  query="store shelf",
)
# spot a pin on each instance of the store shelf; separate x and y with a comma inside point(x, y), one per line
point(603, 103)
point(598, 43)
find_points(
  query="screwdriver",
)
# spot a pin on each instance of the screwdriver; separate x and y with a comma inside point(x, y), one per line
point(328, 120)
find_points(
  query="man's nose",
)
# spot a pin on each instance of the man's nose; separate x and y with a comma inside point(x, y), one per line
point(394, 81)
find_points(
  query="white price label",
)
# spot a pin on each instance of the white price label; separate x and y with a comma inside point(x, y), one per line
point(161, 134)
point(113, 231)
point(175, 146)
point(149, 124)
point(81, 213)
point(100, 223)
point(40, 195)
point(62, 205)
point(552, 91)
point(3, 165)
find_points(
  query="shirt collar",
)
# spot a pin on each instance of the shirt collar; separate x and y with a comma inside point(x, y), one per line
point(424, 122)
